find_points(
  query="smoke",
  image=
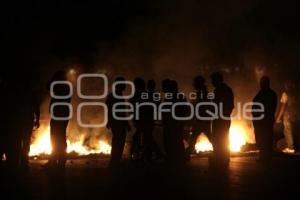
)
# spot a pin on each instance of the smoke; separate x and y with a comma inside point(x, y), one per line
point(170, 39)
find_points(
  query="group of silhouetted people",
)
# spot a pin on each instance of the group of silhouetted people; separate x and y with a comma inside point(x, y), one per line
point(143, 144)
point(23, 100)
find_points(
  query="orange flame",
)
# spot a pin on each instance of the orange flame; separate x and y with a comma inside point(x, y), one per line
point(238, 136)
point(42, 145)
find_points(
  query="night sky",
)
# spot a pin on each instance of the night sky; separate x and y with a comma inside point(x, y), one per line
point(138, 33)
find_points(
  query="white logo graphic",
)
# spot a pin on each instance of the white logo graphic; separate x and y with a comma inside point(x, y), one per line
point(127, 111)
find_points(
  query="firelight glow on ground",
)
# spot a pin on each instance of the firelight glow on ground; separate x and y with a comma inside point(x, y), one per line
point(237, 138)
point(42, 145)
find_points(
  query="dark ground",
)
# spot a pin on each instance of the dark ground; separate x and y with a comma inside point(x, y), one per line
point(89, 178)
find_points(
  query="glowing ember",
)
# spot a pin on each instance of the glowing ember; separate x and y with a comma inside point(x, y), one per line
point(237, 138)
point(42, 145)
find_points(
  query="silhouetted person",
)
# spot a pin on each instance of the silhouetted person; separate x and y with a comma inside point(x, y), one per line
point(118, 127)
point(58, 127)
point(166, 119)
point(199, 126)
point(289, 114)
point(173, 128)
point(31, 116)
point(140, 124)
point(13, 124)
point(263, 128)
point(224, 100)
point(150, 144)
point(2, 117)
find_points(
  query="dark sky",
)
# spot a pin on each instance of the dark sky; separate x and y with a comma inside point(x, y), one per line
point(134, 31)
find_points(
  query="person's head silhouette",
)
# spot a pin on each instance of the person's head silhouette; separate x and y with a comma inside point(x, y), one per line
point(139, 84)
point(265, 82)
point(61, 89)
point(199, 82)
point(120, 87)
point(165, 85)
point(216, 79)
point(151, 85)
point(173, 86)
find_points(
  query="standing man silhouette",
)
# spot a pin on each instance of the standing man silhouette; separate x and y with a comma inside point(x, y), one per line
point(30, 120)
point(172, 127)
point(12, 123)
point(119, 128)
point(199, 126)
point(150, 144)
point(58, 128)
point(288, 114)
point(167, 120)
point(3, 108)
point(263, 128)
point(224, 100)
point(140, 124)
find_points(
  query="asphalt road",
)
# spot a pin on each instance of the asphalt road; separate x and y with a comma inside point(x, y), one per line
point(89, 178)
